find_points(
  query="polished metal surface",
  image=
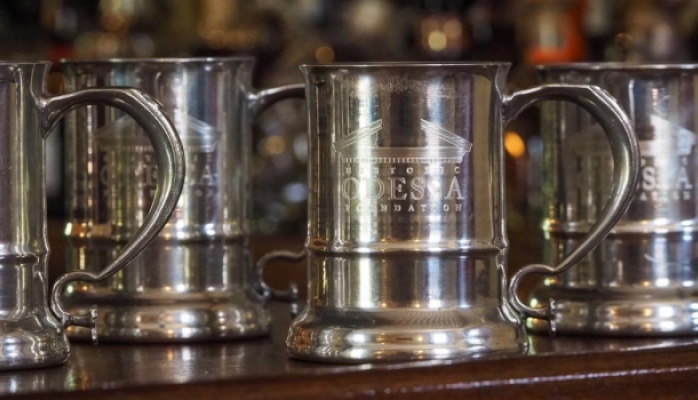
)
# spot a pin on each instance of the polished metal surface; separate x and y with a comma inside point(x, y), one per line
point(407, 238)
point(196, 280)
point(642, 279)
point(31, 334)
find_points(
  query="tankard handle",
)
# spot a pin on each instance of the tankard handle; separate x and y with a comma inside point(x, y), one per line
point(258, 102)
point(150, 114)
point(626, 158)
point(289, 294)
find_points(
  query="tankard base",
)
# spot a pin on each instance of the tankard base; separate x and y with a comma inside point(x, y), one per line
point(399, 335)
point(32, 346)
point(586, 312)
point(180, 322)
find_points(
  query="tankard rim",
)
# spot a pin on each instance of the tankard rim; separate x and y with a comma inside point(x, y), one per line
point(408, 64)
point(11, 63)
point(616, 66)
point(156, 60)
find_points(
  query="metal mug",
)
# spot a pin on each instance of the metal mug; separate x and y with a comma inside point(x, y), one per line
point(407, 241)
point(196, 280)
point(642, 279)
point(31, 332)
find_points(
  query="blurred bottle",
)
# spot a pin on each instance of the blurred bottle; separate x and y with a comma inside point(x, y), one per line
point(465, 30)
point(688, 23)
point(649, 31)
point(550, 31)
point(442, 30)
point(598, 27)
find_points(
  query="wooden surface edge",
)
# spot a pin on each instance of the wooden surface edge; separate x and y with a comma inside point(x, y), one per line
point(656, 374)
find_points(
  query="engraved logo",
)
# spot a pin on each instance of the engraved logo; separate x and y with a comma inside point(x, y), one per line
point(123, 146)
point(666, 162)
point(378, 179)
point(360, 146)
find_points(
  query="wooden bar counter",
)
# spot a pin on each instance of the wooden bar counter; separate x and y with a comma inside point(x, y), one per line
point(561, 368)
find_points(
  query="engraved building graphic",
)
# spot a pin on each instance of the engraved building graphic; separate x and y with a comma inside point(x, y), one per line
point(124, 134)
point(669, 139)
point(443, 146)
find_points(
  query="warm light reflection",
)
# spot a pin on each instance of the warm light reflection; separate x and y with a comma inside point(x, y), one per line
point(324, 54)
point(453, 28)
point(437, 40)
point(273, 145)
point(514, 145)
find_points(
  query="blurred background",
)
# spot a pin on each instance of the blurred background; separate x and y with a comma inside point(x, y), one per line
point(284, 34)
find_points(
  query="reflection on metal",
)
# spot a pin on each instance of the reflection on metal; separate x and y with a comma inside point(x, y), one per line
point(514, 145)
point(406, 243)
point(641, 280)
point(32, 333)
point(196, 281)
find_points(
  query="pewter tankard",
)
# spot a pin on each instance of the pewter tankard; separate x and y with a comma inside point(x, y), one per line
point(407, 246)
point(642, 279)
point(196, 280)
point(31, 334)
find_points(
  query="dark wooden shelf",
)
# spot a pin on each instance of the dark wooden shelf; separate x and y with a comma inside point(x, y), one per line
point(561, 368)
